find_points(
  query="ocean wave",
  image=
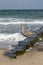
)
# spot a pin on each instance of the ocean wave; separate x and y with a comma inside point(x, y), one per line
point(8, 23)
point(12, 37)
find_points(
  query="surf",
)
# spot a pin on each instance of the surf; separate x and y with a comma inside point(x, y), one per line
point(12, 37)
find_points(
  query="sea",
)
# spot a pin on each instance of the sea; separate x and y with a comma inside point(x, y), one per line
point(11, 20)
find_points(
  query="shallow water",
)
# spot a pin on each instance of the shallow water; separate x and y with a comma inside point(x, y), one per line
point(11, 20)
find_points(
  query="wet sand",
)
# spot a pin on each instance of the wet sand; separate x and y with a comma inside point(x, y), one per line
point(32, 57)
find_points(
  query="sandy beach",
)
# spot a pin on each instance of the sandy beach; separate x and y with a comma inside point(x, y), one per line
point(33, 57)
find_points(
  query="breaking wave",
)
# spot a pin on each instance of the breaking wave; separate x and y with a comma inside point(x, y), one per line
point(12, 37)
point(36, 22)
point(7, 21)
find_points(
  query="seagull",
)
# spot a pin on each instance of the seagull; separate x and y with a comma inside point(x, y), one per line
point(26, 33)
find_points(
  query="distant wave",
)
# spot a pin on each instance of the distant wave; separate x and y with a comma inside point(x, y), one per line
point(7, 23)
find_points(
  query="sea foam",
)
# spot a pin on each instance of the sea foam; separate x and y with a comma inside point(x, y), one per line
point(7, 21)
point(12, 37)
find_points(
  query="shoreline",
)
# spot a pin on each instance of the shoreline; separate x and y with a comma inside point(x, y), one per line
point(33, 57)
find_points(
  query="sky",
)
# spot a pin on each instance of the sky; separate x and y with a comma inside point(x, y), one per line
point(21, 4)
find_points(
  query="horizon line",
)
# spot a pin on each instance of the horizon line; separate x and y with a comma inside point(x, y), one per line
point(21, 9)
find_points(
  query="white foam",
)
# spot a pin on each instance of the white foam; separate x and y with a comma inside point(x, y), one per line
point(6, 21)
point(12, 37)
